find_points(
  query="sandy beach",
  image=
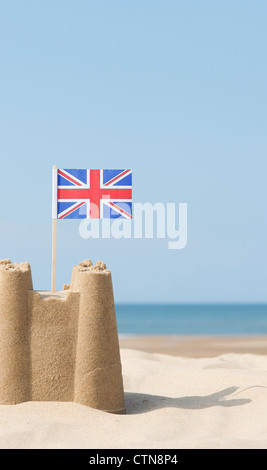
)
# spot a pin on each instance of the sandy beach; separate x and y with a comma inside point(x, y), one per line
point(196, 346)
point(179, 400)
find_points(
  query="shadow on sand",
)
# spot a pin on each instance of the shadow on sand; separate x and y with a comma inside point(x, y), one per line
point(141, 402)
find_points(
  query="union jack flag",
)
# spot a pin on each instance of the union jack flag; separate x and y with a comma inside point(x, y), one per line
point(94, 194)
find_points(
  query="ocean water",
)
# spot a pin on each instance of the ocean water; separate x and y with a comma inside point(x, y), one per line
point(221, 319)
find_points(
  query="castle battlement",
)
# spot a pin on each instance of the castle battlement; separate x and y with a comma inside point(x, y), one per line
point(60, 346)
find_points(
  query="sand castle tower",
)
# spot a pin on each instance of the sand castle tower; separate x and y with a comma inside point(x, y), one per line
point(60, 346)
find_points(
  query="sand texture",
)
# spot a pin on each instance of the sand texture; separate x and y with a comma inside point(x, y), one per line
point(196, 345)
point(60, 346)
point(171, 402)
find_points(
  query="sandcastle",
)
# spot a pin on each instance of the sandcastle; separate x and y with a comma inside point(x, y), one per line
point(60, 346)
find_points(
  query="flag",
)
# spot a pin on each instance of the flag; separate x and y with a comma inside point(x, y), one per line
point(94, 194)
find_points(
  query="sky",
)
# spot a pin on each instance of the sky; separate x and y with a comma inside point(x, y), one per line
point(174, 90)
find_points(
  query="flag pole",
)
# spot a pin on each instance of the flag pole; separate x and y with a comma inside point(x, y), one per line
point(54, 227)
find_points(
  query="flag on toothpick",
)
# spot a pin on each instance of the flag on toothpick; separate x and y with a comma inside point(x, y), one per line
point(92, 194)
point(95, 194)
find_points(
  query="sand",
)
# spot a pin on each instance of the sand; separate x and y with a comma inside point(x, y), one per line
point(171, 402)
point(61, 346)
point(196, 346)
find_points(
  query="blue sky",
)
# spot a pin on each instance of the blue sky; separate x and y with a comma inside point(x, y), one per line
point(175, 90)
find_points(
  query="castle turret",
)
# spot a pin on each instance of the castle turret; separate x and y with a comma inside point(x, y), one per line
point(15, 282)
point(98, 377)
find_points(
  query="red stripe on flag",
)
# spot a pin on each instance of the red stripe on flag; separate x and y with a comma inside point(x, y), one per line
point(120, 209)
point(72, 210)
point(117, 177)
point(85, 193)
point(69, 178)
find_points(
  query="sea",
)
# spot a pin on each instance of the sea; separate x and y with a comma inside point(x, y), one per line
point(191, 319)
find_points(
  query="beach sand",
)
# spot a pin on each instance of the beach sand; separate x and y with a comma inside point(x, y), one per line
point(172, 401)
point(196, 346)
